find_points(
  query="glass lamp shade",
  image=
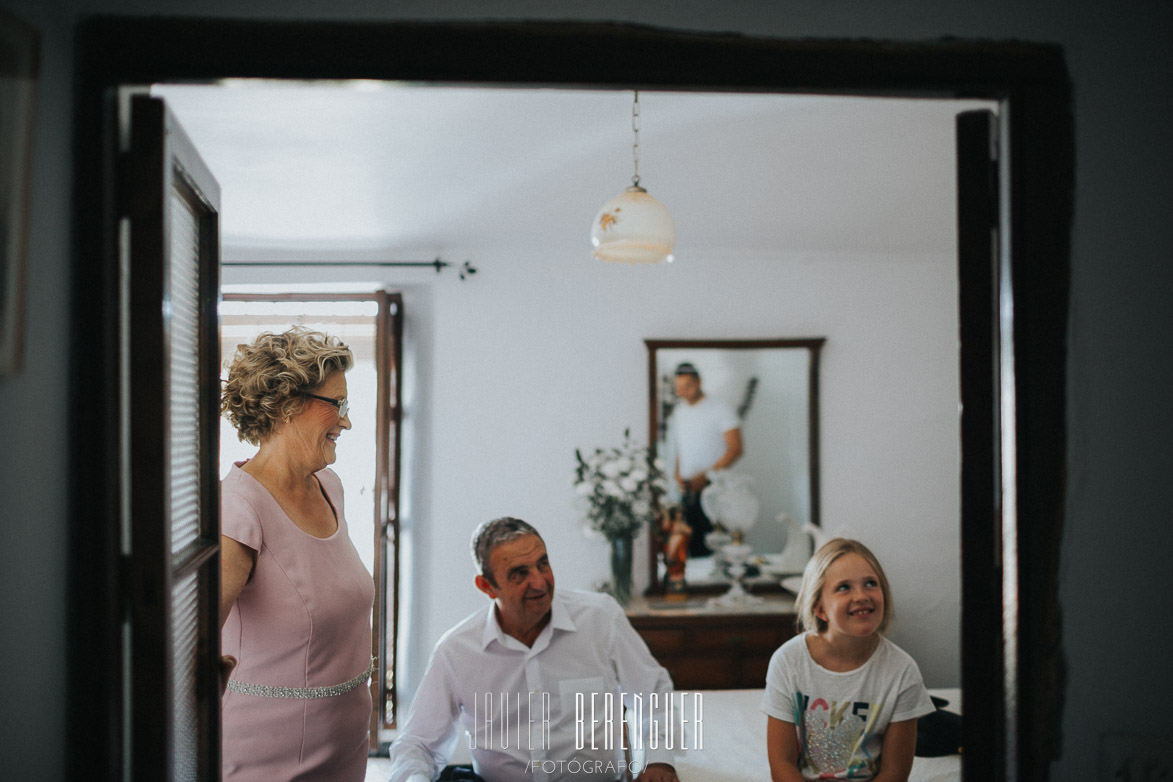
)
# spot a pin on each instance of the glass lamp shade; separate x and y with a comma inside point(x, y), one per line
point(729, 500)
point(633, 227)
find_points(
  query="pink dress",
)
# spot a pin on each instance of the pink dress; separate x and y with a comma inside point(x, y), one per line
point(302, 621)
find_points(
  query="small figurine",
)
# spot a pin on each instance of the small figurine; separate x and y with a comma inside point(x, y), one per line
point(676, 533)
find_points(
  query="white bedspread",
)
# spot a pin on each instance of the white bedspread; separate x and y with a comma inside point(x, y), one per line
point(734, 742)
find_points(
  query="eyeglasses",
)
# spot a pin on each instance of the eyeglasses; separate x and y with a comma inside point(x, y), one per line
point(343, 404)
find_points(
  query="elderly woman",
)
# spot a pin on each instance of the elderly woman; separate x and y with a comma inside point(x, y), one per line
point(295, 599)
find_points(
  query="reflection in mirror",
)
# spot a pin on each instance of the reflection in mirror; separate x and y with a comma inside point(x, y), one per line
point(768, 390)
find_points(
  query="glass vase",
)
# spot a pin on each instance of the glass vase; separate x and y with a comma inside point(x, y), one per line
point(621, 564)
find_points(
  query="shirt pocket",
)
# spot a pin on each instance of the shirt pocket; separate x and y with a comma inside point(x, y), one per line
point(569, 691)
point(592, 712)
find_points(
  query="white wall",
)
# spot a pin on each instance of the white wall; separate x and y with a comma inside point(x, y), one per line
point(1116, 535)
point(530, 365)
point(535, 356)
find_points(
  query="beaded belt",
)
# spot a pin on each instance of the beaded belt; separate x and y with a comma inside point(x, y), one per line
point(300, 693)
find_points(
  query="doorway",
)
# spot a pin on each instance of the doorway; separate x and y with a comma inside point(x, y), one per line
point(849, 201)
point(1031, 81)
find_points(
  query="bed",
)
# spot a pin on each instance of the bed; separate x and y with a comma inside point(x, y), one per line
point(734, 744)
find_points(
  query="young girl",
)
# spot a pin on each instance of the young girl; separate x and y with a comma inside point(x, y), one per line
point(842, 699)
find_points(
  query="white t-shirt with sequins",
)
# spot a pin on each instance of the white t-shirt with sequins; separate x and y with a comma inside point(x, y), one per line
point(841, 717)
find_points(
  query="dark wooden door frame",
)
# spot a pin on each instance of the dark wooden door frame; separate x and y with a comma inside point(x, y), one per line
point(1030, 81)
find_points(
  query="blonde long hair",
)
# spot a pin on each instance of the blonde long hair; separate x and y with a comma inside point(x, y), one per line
point(814, 576)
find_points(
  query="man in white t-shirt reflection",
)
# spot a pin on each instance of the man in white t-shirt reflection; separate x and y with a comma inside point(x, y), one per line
point(706, 436)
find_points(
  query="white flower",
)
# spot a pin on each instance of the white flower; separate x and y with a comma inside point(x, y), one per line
point(618, 486)
point(589, 531)
point(659, 464)
point(611, 489)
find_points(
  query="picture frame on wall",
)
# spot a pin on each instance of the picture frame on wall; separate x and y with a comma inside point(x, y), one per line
point(19, 58)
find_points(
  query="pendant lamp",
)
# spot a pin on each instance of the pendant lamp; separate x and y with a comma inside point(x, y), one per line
point(633, 227)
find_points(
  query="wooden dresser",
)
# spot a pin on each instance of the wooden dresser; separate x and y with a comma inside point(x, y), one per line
point(705, 649)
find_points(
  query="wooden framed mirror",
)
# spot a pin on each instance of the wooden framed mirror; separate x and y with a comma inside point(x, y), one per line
point(771, 386)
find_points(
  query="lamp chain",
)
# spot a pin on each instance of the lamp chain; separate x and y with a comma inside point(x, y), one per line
point(635, 144)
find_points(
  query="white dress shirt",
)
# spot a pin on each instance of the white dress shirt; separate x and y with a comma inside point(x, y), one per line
point(527, 711)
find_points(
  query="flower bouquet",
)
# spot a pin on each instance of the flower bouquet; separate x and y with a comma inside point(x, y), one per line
point(619, 487)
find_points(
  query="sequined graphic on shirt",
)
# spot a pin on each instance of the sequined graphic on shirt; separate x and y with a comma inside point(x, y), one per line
point(834, 737)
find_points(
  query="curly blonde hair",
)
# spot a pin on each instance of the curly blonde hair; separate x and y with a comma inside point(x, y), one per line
point(267, 379)
point(815, 576)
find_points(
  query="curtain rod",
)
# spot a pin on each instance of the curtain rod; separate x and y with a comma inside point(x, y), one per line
point(465, 269)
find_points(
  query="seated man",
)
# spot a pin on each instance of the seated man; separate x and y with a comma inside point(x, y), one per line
point(539, 681)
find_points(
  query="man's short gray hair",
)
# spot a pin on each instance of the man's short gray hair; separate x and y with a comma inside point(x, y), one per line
point(492, 534)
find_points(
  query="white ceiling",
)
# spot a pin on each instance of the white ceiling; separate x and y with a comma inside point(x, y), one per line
point(396, 172)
